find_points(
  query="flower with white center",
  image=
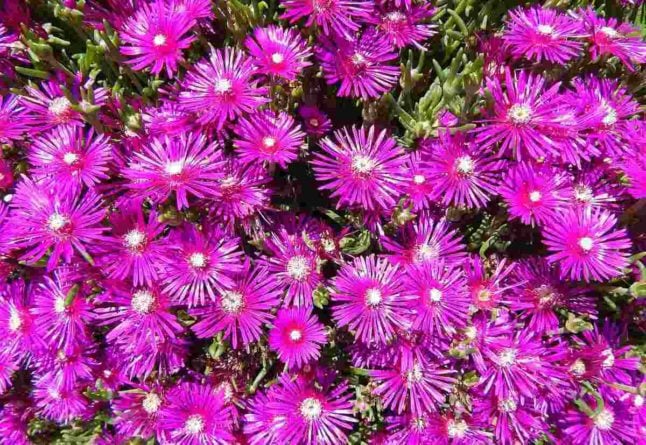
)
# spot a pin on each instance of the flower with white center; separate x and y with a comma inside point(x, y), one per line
point(507, 357)
point(610, 118)
point(465, 165)
point(419, 179)
point(457, 428)
point(609, 358)
point(142, 301)
point(578, 367)
point(435, 295)
point(415, 375)
point(358, 59)
point(295, 334)
point(535, 196)
point(70, 158)
point(311, 408)
point(59, 305)
point(373, 297)
point(151, 403)
point(298, 267)
point(197, 260)
point(484, 295)
point(15, 321)
point(604, 420)
point(520, 114)
point(134, 239)
point(159, 40)
point(59, 106)
point(546, 30)
point(231, 301)
point(57, 221)
point(268, 142)
point(609, 31)
point(362, 165)
point(507, 405)
point(583, 193)
point(277, 58)
point(222, 86)
point(586, 243)
point(418, 423)
point(194, 424)
point(174, 168)
point(425, 252)
point(314, 122)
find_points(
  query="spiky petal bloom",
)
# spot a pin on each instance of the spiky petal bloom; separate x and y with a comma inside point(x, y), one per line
point(586, 244)
point(45, 219)
point(138, 412)
point(70, 157)
point(363, 66)
point(539, 33)
point(15, 416)
point(221, 88)
point(179, 166)
point(199, 264)
point(297, 336)
point(16, 320)
point(441, 304)
point(487, 288)
point(278, 52)
point(342, 17)
point(268, 137)
point(520, 117)
point(14, 120)
point(47, 107)
point(419, 388)
point(168, 119)
point(8, 365)
point(240, 312)
point(361, 167)
point(533, 193)
point(316, 122)
point(155, 37)
point(58, 403)
point(304, 414)
point(404, 27)
point(461, 174)
point(196, 414)
point(369, 299)
point(512, 420)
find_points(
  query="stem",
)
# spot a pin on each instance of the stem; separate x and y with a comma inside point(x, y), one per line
point(69, 298)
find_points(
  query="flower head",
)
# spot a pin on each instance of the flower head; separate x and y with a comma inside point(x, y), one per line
point(297, 336)
point(404, 26)
point(316, 123)
point(332, 16)
point(278, 52)
point(14, 119)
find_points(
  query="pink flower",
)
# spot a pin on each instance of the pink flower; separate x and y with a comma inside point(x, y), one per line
point(297, 336)
point(278, 52)
point(316, 122)
point(333, 16)
point(14, 119)
point(404, 26)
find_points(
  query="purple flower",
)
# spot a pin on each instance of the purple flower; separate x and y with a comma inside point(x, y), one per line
point(221, 88)
point(241, 311)
point(363, 66)
point(16, 320)
point(168, 119)
point(487, 287)
point(404, 27)
point(268, 137)
point(179, 166)
point(361, 167)
point(369, 299)
point(342, 17)
point(513, 421)
point(316, 122)
point(540, 33)
point(14, 119)
point(586, 245)
point(138, 412)
point(60, 404)
point(15, 416)
point(278, 52)
point(297, 336)
point(8, 365)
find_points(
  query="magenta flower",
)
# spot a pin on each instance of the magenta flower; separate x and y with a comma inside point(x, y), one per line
point(586, 245)
point(419, 190)
point(138, 412)
point(279, 52)
point(155, 37)
point(540, 33)
point(316, 122)
point(487, 288)
point(198, 264)
point(268, 137)
point(196, 414)
point(45, 219)
point(460, 173)
point(404, 27)
point(297, 336)
point(221, 88)
point(16, 320)
point(178, 166)
point(241, 311)
point(48, 107)
point(419, 388)
point(163, 357)
point(168, 119)
point(15, 416)
point(70, 157)
point(8, 365)
point(60, 404)
point(363, 66)
point(342, 17)
point(361, 167)
point(512, 420)
point(14, 119)
point(369, 299)
point(533, 193)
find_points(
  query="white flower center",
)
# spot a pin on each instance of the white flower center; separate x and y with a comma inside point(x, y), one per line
point(457, 428)
point(609, 360)
point(197, 260)
point(231, 301)
point(418, 423)
point(507, 406)
point(70, 158)
point(228, 181)
point(362, 164)
point(159, 40)
point(277, 58)
point(638, 401)
point(134, 238)
point(610, 118)
point(222, 86)
point(586, 243)
point(194, 424)
point(465, 165)
point(395, 16)
point(604, 420)
point(57, 221)
point(424, 252)
point(358, 59)
point(142, 301)
point(59, 106)
point(484, 295)
point(415, 375)
point(419, 179)
point(151, 403)
point(54, 393)
point(298, 267)
point(59, 305)
point(314, 122)
point(578, 367)
point(471, 332)
point(295, 334)
point(268, 142)
point(435, 295)
point(174, 168)
point(610, 32)
point(546, 30)
point(373, 297)
point(583, 193)
point(507, 357)
point(15, 322)
point(535, 196)
point(311, 408)
point(520, 113)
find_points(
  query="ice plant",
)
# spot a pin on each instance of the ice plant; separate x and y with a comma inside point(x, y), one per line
point(296, 336)
point(342, 17)
point(404, 26)
point(14, 120)
point(279, 52)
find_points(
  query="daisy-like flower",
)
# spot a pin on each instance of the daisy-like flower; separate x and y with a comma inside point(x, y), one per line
point(168, 119)
point(70, 157)
point(180, 166)
point(155, 37)
point(305, 414)
point(420, 388)
point(316, 122)
point(14, 119)
point(441, 304)
point(361, 167)
point(533, 193)
point(15, 416)
point(404, 27)
point(593, 187)
point(164, 357)
point(586, 244)
point(16, 320)
point(221, 88)
point(297, 336)
point(197, 414)
point(363, 66)
point(520, 117)
point(241, 311)
point(46, 219)
point(342, 17)
point(369, 299)
point(539, 33)
point(512, 420)
point(487, 287)
point(279, 52)
point(459, 173)
point(294, 266)
point(138, 411)
point(60, 404)
point(426, 240)
point(199, 264)
point(268, 137)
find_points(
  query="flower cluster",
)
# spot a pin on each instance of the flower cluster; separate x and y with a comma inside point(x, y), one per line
point(319, 222)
